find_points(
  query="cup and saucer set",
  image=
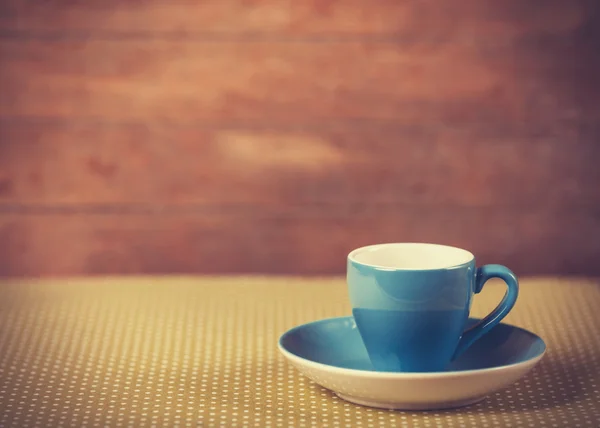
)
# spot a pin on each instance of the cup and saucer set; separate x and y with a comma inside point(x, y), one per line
point(410, 343)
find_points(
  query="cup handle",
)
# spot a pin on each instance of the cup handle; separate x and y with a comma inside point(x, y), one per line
point(482, 327)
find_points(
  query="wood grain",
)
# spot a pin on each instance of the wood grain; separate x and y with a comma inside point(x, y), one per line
point(423, 18)
point(256, 242)
point(347, 166)
point(266, 136)
point(186, 82)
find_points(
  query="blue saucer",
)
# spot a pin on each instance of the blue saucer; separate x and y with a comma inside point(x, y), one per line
point(336, 342)
point(331, 353)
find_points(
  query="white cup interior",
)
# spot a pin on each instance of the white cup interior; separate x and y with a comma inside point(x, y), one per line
point(411, 256)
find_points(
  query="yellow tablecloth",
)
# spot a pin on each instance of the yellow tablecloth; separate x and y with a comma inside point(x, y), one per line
point(199, 351)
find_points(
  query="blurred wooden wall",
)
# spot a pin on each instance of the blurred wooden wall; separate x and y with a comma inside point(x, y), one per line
point(273, 136)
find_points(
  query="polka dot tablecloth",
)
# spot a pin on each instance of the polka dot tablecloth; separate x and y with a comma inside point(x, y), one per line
point(203, 352)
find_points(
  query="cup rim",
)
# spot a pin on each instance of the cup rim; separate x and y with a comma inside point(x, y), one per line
point(352, 256)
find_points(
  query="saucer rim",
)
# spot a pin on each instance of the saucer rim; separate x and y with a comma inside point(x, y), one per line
point(404, 375)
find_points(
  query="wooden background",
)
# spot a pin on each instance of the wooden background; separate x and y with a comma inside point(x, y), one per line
point(274, 136)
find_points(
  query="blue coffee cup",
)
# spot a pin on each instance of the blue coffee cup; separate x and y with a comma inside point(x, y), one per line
point(411, 303)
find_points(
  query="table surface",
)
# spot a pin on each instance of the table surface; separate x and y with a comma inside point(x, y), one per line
point(202, 351)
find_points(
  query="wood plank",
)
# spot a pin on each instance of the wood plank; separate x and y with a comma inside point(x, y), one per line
point(348, 166)
point(314, 17)
point(185, 82)
point(530, 242)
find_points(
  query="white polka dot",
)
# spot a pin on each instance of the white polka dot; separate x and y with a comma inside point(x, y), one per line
point(195, 353)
